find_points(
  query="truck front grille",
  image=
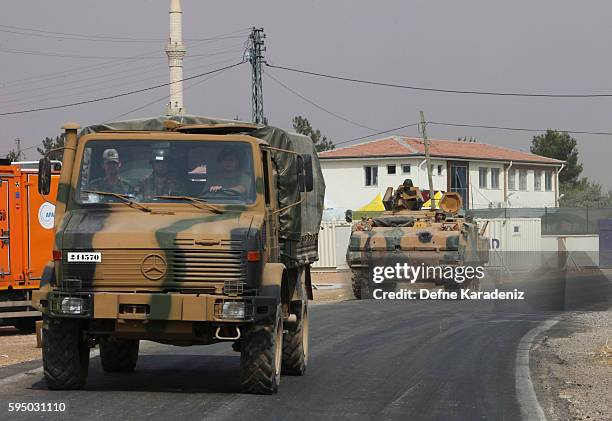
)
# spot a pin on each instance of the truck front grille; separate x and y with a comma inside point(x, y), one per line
point(166, 268)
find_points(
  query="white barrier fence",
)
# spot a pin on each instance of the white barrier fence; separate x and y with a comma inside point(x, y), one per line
point(333, 242)
point(514, 243)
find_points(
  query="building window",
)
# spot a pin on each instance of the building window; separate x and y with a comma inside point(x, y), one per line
point(482, 177)
point(371, 175)
point(495, 178)
point(391, 169)
point(439, 169)
point(537, 180)
point(406, 168)
point(512, 179)
point(548, 180)
point(522, 179)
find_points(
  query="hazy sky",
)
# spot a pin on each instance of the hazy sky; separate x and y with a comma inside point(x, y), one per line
point(549, 46)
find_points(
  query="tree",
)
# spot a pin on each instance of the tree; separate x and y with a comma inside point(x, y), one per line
point(562, 146)
point(303, 126)
point(12, 155)
point(50, 143)
point(584, 194)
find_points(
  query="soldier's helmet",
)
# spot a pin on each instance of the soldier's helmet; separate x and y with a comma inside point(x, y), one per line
point(408, 183)
point(160, 155)
point(110, 155)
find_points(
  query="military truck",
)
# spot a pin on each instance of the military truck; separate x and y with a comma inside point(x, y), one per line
point(406, 233)
point(183, 231)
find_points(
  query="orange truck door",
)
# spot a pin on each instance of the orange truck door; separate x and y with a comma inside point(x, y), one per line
point(41, 213)
point(5, 255)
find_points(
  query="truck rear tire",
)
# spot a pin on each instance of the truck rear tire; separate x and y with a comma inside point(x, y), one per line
point(65, 354)
point(261, 356)
point(295, 345)
point(119, 355)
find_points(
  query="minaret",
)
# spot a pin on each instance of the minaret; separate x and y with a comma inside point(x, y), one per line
point(176, 51)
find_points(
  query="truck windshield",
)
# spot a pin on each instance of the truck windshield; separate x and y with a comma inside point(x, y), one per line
point(150, 171)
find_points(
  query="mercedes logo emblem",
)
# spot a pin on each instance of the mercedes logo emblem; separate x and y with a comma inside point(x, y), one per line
point(153, 267)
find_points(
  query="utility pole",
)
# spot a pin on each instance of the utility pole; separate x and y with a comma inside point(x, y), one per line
point(256, 58)
point(432, 192)
point(18, 147)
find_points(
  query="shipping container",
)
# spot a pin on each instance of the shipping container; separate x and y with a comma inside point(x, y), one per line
point(26, 240)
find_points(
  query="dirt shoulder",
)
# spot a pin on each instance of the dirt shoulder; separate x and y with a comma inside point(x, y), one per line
point(16, 347)
point(572, 368)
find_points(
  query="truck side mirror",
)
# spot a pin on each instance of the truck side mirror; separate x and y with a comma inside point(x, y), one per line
point(348, 215)
point(44, 176)
point(308, 174)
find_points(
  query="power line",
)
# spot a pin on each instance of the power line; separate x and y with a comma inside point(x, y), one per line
point(106, 38)
point(150, 88)
point(141, 107)
point(448, 91)
point(518, 129)
point(314, 104)
point(91, 67)
point(51, 54)
point(81, 86)
point(376, 134)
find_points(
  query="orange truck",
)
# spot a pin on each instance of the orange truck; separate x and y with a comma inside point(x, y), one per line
point(26, 240)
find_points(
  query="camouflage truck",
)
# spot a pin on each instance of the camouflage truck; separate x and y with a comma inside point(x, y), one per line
point(407, 234)
point(188, 231)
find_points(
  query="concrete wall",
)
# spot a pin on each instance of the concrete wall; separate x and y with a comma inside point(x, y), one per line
point(583, 249)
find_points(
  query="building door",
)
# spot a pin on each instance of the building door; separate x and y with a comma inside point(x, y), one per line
point(458, 180)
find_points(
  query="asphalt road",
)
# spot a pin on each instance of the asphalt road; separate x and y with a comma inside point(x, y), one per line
point(425, 360)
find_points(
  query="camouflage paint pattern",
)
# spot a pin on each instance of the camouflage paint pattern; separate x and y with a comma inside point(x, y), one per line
point(165, 274)
point(402, 235)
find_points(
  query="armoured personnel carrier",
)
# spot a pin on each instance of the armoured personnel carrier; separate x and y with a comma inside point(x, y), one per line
point(437, 240)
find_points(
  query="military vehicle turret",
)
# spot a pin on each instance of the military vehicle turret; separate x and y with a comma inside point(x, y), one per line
point(436, 238)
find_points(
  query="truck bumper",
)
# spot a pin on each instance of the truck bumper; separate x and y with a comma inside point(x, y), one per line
point(154, 306)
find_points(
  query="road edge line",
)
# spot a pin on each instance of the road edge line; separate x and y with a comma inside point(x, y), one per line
point(525, 391)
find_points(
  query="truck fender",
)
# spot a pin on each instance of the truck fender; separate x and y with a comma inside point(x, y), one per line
point(273, 277)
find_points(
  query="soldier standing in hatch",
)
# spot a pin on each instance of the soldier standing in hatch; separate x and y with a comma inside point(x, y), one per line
point(160, 182)
point(111, 182)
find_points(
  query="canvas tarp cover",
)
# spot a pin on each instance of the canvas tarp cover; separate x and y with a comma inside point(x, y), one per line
point(295, 222)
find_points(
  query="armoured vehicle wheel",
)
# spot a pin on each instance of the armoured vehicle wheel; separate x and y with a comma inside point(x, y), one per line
point(261, 356)
point(65, 354)
point(26, 325)
point(295, 345)
point(361, 285)
point(119, 355)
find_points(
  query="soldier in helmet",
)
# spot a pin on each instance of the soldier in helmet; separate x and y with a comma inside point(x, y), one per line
point(230, 174)
point(160, 182)
point(111, 182)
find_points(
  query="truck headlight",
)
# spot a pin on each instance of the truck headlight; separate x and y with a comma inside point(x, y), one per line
point(233, 310)
point(72, 305)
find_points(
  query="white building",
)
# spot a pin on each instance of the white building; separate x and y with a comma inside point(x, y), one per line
point(485, 175)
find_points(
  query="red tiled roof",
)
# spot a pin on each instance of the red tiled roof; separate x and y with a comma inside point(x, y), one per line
point(407, 146)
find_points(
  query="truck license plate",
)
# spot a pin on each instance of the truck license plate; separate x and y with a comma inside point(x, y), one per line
point(91, 257)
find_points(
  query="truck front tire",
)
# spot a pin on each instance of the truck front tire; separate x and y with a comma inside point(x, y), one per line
point(65, 354)
point(295, 345)
point(261, 356)
point(119, 355)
